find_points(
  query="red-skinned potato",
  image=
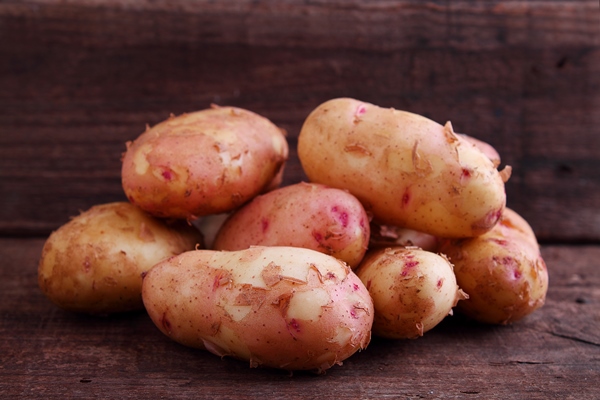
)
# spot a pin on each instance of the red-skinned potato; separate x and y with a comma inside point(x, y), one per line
point(502, 270)
point(307, 215)
point(281, 307)
point(413, 290)
point(94, 263)
point(406, 170)
point(205, 162)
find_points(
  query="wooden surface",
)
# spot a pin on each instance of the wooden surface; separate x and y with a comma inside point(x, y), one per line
point(80, 78)
point(552, 354)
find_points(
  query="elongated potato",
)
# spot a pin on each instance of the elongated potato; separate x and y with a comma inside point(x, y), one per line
point(94, 263)
point(281, 307)
point(307, 215)
point(407, 170)
point(413, 290)
point(202, 163)
point(502, 270)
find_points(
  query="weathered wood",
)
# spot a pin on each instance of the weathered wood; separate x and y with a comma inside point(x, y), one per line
point(47, 353)
point(78, 79)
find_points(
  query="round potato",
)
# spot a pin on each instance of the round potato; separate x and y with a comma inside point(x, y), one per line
point(281, 307)
point(202, 163)
point(307, 215)
point(502, 270)
point(94, 263)
point(412, 289)
point(407, 170)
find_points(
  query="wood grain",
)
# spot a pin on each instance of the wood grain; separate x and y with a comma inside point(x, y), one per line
point(79, 78)
point(553, 353)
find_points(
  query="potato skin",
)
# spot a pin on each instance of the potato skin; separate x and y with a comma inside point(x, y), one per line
point(502, 270)
point(383, 236)
point(281, 307)
point(412, 289)
point(307, 215)
point(206, 162)
point(407, 170)
point(94, 263)
point(486, 148)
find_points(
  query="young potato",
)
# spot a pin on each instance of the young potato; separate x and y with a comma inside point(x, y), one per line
point(94, 263)
point(307, 215)
point(281, 307)
point(413, 290)
point(383, 236)
point(202, 163)
point(407, 170)
point(502, 270)
point(486, 148)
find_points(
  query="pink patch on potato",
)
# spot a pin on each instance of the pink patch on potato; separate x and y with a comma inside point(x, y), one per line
point(341, 216)
point(408, 266)
point(293, 326)
point(405, 198)
point(167, 174)
point(488, 221)
point(264, 224)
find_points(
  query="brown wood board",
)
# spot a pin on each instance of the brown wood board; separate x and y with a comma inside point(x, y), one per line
point(553, 353)
point(79, 79)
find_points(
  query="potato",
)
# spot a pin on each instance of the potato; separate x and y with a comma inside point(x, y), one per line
point(94, 263)
point(412, 289)
point(281, 307)
point(502, 271)
point(206, 162)
point(307, 215)
point(486, 148)
point(407, 170)
point(383, 236)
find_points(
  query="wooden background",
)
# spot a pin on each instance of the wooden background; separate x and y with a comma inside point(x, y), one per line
point(80, 78)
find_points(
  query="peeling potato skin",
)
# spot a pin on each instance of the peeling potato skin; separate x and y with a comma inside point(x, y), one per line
point(413, 290)
point(201, 163)
point(94, 263)
point(502, 270)
point(383, 236)
point(280, 307)
point(307, 215)
point(407, 170)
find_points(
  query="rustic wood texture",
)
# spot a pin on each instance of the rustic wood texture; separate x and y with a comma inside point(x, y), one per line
point(80, 78)
point(553, 353)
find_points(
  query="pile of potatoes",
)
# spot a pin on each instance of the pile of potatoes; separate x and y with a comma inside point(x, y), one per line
point(401, 222)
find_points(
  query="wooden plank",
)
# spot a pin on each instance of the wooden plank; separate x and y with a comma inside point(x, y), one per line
point(82, 78)
point(374, 25)
point(553, 353)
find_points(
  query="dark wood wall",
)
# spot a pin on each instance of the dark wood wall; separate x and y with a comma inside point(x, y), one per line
point(80, 78)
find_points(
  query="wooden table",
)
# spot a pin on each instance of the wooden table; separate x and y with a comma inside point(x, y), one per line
point(553, 353)
point(80, 78)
